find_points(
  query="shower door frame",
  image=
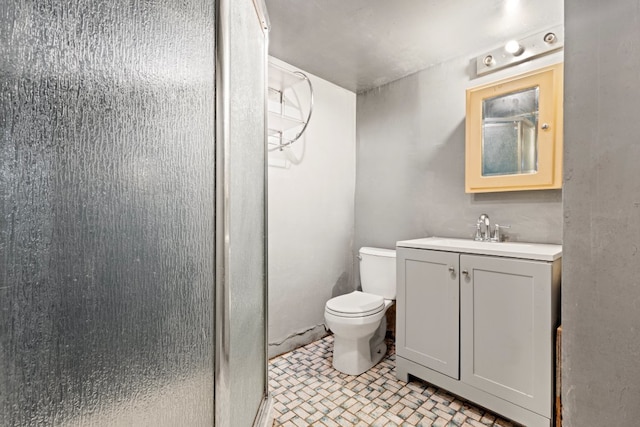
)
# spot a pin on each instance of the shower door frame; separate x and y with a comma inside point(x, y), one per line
point(222, 380)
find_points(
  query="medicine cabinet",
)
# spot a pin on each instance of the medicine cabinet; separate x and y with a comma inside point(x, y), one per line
point(514, 133)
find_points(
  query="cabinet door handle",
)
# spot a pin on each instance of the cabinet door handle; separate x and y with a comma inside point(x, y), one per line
point(465, 272)
point(452, 270)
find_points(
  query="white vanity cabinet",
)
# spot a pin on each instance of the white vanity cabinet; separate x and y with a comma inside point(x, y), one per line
point(479, 321)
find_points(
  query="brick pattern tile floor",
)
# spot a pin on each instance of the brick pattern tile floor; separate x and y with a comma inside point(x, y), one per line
point(307, 391)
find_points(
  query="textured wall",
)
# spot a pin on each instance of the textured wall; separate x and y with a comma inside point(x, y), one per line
point(600, 285)
point(410, 165)
point(106, 221)
point(311, 219)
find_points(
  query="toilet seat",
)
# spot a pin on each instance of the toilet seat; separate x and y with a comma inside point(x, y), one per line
point(355, 304)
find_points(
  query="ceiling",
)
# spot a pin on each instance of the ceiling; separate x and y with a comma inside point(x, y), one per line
point(363, 44)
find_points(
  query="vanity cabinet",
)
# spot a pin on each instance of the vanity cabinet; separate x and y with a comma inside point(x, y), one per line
point(480, 326)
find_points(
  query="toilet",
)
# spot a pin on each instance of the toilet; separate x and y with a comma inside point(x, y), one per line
point(358, 320)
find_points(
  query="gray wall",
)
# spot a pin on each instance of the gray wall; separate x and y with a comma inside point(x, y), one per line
point(601, 269)
point(410, 166)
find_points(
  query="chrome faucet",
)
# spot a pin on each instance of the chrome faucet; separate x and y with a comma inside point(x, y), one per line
point(483, 228)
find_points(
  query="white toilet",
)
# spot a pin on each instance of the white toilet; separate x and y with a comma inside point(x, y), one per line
point(357, 319)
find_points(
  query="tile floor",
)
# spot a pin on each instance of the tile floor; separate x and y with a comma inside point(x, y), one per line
point(307, 391)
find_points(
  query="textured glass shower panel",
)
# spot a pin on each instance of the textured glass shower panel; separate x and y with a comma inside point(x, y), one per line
point(247, 204)
point(106, 212)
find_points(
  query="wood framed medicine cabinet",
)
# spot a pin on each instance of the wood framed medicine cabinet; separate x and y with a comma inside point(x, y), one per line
point(514, 133)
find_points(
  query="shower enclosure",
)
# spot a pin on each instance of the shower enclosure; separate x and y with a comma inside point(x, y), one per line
point(132, 264)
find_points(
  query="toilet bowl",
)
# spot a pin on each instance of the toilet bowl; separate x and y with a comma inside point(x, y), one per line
point(357, 319)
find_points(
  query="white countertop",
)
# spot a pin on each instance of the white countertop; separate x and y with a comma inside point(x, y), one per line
point(534, 251)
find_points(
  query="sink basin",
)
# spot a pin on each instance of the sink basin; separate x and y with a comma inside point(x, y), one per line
point(536, 251)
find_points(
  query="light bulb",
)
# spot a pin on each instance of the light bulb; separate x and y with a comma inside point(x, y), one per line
point(514, 48)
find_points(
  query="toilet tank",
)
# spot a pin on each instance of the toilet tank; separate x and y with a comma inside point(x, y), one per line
point(378, 272)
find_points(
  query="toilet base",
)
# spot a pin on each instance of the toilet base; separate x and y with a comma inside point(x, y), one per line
point(355, 356)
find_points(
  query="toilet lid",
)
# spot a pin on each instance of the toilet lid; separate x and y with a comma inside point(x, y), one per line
point(355, 304)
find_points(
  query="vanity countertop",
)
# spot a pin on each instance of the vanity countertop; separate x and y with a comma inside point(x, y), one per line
point(534, 251)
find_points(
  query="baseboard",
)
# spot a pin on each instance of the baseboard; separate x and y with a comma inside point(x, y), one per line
point(299, 339)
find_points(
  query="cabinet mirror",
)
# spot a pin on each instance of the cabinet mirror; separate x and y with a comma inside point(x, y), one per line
point(514, 133)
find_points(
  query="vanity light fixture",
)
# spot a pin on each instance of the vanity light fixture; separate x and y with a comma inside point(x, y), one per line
point(517, 51)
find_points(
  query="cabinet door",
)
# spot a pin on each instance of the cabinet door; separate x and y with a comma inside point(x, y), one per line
point(428, 309)
point(506, 331)
point(514, 133)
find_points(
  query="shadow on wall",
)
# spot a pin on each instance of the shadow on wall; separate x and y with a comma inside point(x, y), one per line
point(342, 286)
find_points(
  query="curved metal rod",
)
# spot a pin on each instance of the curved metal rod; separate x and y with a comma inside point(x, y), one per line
point(306, 123)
